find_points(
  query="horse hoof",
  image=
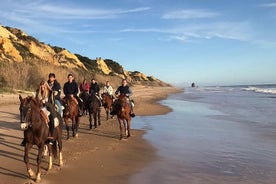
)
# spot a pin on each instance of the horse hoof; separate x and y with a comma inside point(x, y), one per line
point(31, 173)
point(38, 180)
point(61, 164)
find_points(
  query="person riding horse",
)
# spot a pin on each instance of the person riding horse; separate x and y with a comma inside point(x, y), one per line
point(108, 89)
point(43, 95)
point(56, 91)
point(124, 89)
point(95, 90)
point(71, 89)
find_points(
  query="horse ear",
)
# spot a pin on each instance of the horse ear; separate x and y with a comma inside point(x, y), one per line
point(20, 98)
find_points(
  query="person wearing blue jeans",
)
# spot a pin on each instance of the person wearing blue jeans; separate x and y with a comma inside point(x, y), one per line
point(56, 90)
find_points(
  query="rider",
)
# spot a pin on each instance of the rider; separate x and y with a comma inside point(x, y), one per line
point(95, 90)
point(71, 89)
point(125, 89)
point(84, 86)
point(56, 90)
point(108, 89)
point(43, 94)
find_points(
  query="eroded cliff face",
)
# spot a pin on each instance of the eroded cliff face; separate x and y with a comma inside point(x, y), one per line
point(17, 46)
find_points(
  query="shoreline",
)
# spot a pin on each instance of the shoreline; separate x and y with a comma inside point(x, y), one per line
point(96, 156)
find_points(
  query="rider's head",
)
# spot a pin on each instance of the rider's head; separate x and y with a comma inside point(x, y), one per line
point(52, 77)
point(70, 77)
point(124, 82)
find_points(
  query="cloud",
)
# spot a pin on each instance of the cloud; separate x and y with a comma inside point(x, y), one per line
point(190, 14)
point(187, 32)
point(45, 10)
point(269, 5)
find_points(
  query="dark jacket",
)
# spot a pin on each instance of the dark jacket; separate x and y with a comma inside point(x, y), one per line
point(94, 88)
point(123, 90)
point(55, 87)
point(71, 88)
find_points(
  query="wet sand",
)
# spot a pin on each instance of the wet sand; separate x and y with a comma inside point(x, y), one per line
point(96, 156)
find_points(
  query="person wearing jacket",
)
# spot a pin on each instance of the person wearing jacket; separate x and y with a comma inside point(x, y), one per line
point(56, 91)
point(71, 89)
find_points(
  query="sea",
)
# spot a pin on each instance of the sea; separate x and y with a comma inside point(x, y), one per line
point(214, 135)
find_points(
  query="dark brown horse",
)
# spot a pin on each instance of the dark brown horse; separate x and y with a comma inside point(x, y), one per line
point(34, 122)
point(84, 96)
point(107, 103)
point(70, 112)
point(122, 108)
point(93, 106)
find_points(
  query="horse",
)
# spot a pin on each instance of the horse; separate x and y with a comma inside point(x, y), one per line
point(70, 112)
point(123, 110)
point(34, 122)
point(93, 106)
point(107, 103)
point(84, 96)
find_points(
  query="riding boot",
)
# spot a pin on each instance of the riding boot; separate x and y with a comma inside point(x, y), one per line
point(131, 111)
point(23, 143)
point(80, 111)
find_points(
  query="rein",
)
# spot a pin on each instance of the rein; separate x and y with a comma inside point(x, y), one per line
point(26, 121)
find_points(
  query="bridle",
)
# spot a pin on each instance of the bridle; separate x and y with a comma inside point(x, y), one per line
point(25, 116)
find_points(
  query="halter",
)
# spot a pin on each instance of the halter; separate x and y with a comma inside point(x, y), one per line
point(25, 117)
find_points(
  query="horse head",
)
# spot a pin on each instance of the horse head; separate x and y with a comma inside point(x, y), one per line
point(27, 106)
point(70, 105)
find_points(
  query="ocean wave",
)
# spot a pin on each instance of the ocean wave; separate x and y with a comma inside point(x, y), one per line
point(261, 90)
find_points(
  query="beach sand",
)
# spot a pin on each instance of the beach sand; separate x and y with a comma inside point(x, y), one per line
point(96, 156)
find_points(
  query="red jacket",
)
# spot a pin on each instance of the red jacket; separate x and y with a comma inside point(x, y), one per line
point(84, 87)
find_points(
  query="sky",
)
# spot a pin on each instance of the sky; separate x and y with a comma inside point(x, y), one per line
point(209, 42)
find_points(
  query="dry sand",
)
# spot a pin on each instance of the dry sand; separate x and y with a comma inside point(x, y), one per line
point(96, 156)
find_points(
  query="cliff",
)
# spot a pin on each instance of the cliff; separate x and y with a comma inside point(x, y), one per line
point(18, 47)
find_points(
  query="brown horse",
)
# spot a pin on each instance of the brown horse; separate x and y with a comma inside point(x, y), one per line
point(35, 124)
point(107, 103)
point(70, 112)
point(93, 106)
point(122, 108)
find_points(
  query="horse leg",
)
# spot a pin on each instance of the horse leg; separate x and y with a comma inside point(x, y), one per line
point(59, 140)
point(67, 129)
point(107, 113)
point(77, 125)
point(125, 128)
point(95, 119)
point(90, 121)
point(128, 127)
point(50, 164)
point(73, 126)
point(99, 116)
point(26, 160)
point(39, 156)
point(121, 129)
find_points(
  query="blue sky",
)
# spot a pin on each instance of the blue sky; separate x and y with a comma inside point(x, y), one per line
point(209, 42)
